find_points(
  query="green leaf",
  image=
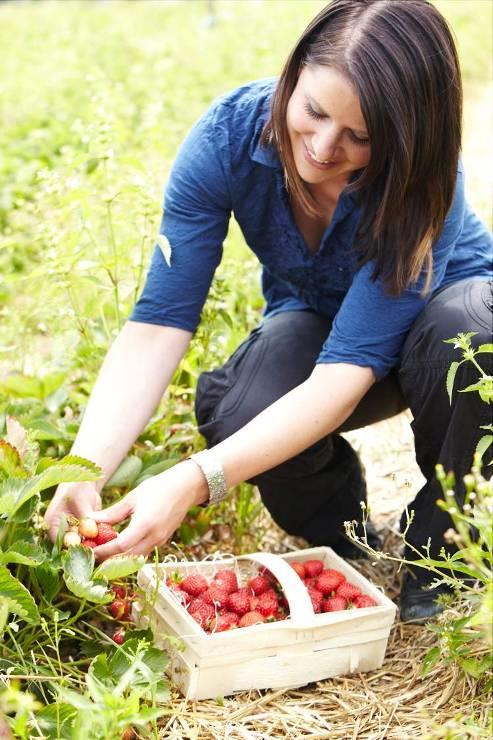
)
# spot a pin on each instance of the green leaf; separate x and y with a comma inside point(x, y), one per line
point(62, 472)
point(49, 580)
point(155, 469)
point(25, 512)
point(44, 430)
point(94, 591)
point(17, 597)
point(126, 473)
point(10, 491)
point(23, 553)
point(55, 720)
point(484, 443)
point(485, 348)
point(10, 461)
point(22, 386)
point(119, 566)
point(78, 563)
point(451, 377)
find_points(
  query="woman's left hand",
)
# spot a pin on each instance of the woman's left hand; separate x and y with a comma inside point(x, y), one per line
point(156, 509)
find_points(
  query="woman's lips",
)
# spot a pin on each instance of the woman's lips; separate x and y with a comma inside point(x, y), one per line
point(314, 163)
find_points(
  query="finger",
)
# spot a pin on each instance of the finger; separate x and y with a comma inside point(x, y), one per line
point(115, 513)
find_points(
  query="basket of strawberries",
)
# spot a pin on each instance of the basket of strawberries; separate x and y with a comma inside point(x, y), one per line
point(263, 620)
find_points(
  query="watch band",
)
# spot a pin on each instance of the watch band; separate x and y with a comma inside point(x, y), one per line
point(213, 473)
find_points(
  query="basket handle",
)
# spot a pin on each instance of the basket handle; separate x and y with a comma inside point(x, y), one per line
point(300, 605)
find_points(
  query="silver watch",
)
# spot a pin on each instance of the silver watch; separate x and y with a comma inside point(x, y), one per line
point(213, 473)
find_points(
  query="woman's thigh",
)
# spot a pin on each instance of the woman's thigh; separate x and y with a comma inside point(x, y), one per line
point(277, 356)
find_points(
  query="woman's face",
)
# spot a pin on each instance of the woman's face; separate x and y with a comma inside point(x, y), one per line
point(326, 127)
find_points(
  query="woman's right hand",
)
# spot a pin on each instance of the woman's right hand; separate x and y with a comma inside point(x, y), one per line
point(78, 499)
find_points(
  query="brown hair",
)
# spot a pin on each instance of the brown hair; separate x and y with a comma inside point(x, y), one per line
point(401, 59)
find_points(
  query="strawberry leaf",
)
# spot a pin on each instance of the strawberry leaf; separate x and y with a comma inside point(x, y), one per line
point(78, 563)
point(23, 553)
point(10, 460)
point(119, 566)
point(95, 591)
point(17, 597)
point(126, 473)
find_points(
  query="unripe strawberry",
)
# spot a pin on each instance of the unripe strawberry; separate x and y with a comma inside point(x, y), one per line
point(88, 528)
point(71, 539)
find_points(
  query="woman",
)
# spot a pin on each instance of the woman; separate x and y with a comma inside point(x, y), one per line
point(344, 177)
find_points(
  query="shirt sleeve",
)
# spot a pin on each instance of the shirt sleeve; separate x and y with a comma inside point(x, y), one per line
point(370, 326)
point(196, 212)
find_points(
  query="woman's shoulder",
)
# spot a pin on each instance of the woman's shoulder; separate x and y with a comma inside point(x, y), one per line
point(240, 111)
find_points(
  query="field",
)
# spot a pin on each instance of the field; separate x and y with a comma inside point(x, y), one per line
point(95, 98)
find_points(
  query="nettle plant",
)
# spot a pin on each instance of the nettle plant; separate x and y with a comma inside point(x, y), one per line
point(53, 617)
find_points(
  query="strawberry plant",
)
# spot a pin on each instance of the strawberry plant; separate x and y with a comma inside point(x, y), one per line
point(54, 614)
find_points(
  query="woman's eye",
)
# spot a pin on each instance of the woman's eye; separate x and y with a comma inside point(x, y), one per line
point(312, 113)
point(358, 139)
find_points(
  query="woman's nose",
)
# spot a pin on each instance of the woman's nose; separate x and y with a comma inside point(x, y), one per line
point(324, 143)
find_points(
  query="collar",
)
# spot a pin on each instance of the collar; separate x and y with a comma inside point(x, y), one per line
point(266, 155)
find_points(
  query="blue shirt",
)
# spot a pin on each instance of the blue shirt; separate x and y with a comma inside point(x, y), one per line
point(221, 169)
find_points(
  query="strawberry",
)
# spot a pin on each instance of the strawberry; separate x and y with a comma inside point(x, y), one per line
point(253, 601)
point(88, 528)
point(194, 585)
point(300, 569)
point(268, 604)
point(334, 604)
point(316, 599)
point(106, 533)
point(216, 595)
point(348, 591)
point(224, 622)
point(90, 543)
point(329, 581)
point(120, 609)
point(119, 637)
point(182, 596)
point(204, 614)
point(239, 601)
point(363, 601)
point(313, 568)
point(71, 538)
point(227, 579)
point(194, 604)
point(251, 618)
point(120, 592)
point(259, 584)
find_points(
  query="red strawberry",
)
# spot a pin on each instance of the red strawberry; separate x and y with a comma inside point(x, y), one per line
point(363, 601)
point(224, 622)
point(194, 585)
point(119, 637)
point(316, 599)
point(204, 614)
point(120, 592)
point(329, 581)
point(259, 584)
point(90, 543)
point(216, 595)
point(106, 533)
point(268, 604)
point(195, 604)
point(251, 618)
point(300, 569)
point(227, 579)
point(334, 604)
point(253, 601)
point(182, 596)
point(239, 601)
point(313, 568)
point(348, 591)
point(120, 609)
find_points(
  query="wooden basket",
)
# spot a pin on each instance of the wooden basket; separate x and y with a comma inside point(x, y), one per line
point(303, 648)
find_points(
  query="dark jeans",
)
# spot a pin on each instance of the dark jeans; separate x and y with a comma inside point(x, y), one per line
point(312, 494)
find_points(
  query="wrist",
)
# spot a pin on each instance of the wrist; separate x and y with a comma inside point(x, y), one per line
point(198, 490)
